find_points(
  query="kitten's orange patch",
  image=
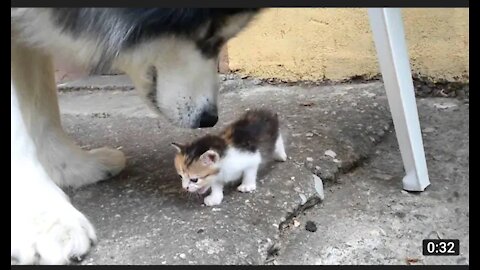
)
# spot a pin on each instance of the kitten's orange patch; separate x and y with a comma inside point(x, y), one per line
point(180, 163)
point(195, 170)
point(227, 135)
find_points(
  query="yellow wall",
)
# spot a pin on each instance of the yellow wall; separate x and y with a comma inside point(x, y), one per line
point(336, 43)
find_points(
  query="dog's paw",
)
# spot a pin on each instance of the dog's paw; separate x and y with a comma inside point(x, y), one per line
point(50, 234)
point(79, 168)
point(246, 188)
point(111, 161)
point(212, 200)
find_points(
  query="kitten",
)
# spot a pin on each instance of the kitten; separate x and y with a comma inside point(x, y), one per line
point(214, 160)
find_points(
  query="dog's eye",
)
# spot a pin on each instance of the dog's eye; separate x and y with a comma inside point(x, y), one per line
point(194, 180)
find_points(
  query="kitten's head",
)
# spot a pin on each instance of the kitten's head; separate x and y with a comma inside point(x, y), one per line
point(197, 164)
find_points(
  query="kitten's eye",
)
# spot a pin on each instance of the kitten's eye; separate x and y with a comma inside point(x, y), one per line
point(194, 180)
point(181, 177)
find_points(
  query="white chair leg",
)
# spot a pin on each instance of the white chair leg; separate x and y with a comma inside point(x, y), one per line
point(387, 28)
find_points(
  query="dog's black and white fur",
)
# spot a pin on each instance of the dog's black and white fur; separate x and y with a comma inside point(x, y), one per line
point(170, 55)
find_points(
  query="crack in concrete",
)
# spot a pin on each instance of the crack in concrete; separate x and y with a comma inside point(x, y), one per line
point(67, 89)
point(285, 226)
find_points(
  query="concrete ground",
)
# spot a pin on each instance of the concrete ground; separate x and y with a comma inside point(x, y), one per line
point(342, 133)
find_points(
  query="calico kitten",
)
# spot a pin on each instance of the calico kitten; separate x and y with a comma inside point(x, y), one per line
point(214, 160)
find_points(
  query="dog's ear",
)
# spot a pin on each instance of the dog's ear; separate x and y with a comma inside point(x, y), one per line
point(180, 147)
point(210, 157)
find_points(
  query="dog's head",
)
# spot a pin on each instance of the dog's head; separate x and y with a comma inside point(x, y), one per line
point(176, 73)
point(170, 54)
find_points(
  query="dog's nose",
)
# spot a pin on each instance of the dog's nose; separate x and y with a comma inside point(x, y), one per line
point(208, 119)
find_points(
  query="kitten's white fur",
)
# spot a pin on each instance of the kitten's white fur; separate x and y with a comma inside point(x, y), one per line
point(236, 164)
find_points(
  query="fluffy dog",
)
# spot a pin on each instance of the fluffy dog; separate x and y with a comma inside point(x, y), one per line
point(170, 55)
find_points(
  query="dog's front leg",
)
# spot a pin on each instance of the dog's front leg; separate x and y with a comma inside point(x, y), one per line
point(65, 162)
point(46, 228)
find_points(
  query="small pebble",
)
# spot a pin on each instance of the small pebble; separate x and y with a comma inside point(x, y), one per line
point(310, 226)
point(309, 159)
point(182, 256)
point(296, 223)
point(330, 153)
point(318, 184)
point(428, 130)
point(257, 81)
point(303, 198)
point(445, 105)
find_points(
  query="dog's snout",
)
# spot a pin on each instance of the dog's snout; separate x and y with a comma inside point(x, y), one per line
point(208, 118)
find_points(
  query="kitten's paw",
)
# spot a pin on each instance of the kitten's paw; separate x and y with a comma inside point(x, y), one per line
point(246, 188)
point(212, 200)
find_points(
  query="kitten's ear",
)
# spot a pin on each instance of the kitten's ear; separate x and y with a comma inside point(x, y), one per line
point(179, 147)
point(209, 158)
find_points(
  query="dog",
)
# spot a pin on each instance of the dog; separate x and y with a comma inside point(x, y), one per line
point(171, 57)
